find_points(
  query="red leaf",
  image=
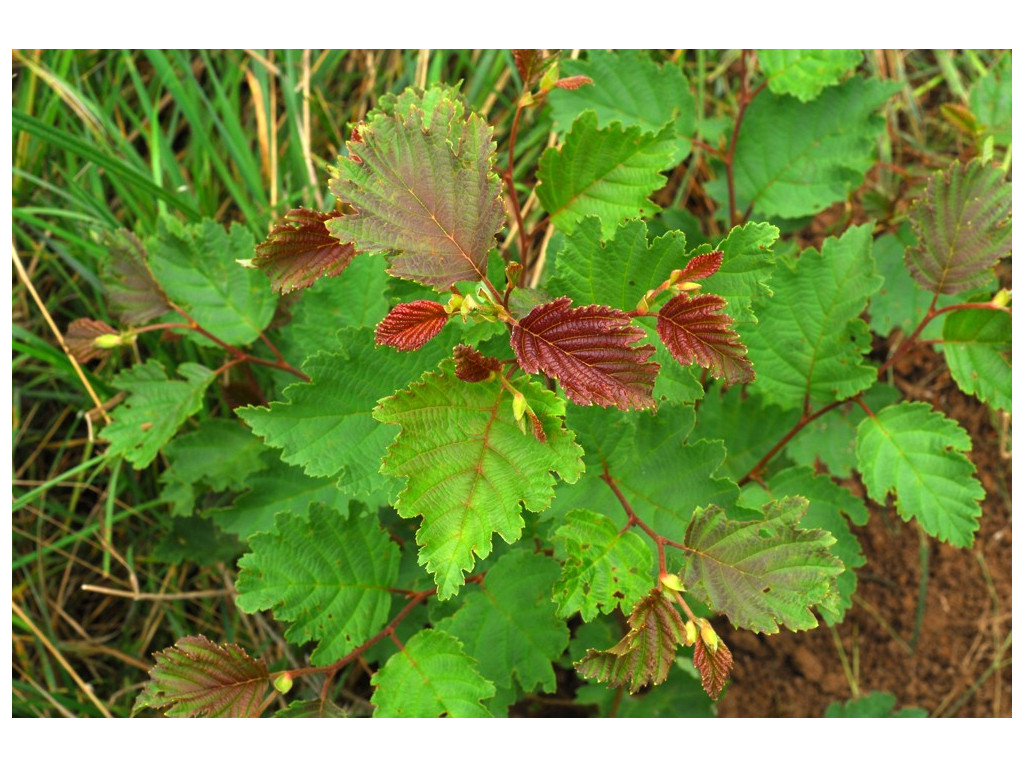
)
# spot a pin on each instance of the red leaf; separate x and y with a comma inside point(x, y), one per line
point(410, 326)
point(299, 250)
point(573, 82)
point(590, 351)
point(196, 677)
point(128, 281)
point(699, 267)
point(81, 337)
point(694, 330)
point(472, 366)
point(527, 61)
point(714, 665)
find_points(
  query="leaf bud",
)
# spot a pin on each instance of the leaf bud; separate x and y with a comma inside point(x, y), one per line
point(283, 683)
point(691, 632)
point(671, 581)
point(642, 306)
point(512, 272)
point(547, 82)
point(708, 635)
point(688, 286)
point(518, 406)
point(108, 341)
point(1002, 298)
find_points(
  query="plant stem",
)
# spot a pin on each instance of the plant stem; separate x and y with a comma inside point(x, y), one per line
point(806, 419)
point(513, 196)
point(930, 315)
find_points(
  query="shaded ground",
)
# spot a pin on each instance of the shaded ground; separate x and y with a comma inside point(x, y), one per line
point(960, 665)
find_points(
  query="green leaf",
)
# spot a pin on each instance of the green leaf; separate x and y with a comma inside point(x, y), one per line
point(608, 173)
point(615, 271)
point(470, 466)
point(648, 651)
point(805, 73)
point(811, 342)
point(747, 265)
point(631, 89)
point(220, 454)
point(197, 678)
point(962, 223)
point(197, 541)
point(832, 438)
point(277, 489)
point(325, 425)
point(976, 343)
point(431, 676)
point(794, 159)
point(510, 626)
point(663, 476)
point(420, 176)
point(764, 573)
point(197, 267)
point(605, 567)
point(991, 100)
point(874, 704)
point(327, 574)
point(353, 300)
point(831, 508)
point(155, 408)
point(311, 708)
point(900, 303)
point(920, 455)
point(748, 426)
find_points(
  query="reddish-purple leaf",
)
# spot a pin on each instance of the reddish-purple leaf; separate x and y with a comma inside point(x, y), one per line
point(714, 664)
point(81, 339)
point(299, 249)
point(472, 366)
point(573, 82)
point(590, 351)
point(410, 326)
point(647, 652)
point(134, 293)
point(699, 267)
point(196, 677)
point(695, 330)
point(528, 62)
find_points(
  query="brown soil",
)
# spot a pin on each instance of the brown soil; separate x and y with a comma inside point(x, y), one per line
point(961, 663)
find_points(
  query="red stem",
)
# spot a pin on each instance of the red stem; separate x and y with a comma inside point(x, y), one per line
point(513, 196)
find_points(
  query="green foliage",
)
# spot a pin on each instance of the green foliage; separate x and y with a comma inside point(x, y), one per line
point(469, 466)
point(920, 455)
point(831, 508)
point(811, 341)
point(631, 89)
point(874, 704)
point(617, 270)
point(977, 348)
point(805, 73)
point(431, 676)
point(605, 568)
point(155, 409)
point(509, 624)
point(795, 159)
point(326, 426)
point(608, 173)
point(196, 266)
point(554, 374)
point(327, 574)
